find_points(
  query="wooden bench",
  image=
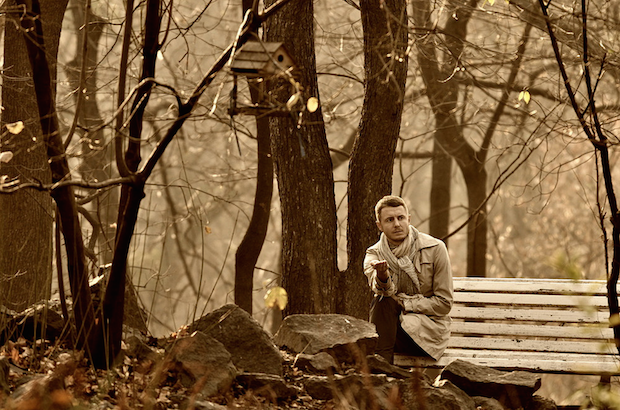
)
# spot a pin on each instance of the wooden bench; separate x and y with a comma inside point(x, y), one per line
point(539, 325)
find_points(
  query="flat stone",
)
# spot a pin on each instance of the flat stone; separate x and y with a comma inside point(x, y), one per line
point(346, 338)
point(512, 389)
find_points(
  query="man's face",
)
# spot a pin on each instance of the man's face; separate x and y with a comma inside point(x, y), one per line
point(394, 223)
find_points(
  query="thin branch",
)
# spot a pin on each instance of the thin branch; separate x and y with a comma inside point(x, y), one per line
point(486, 142)
point(39, 186)
point(123, 170)
point(186, 109)
point(82, 80)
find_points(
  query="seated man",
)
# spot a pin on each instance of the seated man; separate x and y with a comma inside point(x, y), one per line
point(409, 272)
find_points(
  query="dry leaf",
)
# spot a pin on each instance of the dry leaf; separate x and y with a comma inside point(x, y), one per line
point(6, 156)
point(15, 127)
point(276, 296)
point(312, 104)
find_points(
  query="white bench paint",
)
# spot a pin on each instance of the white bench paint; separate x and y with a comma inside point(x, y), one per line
point(541, 325)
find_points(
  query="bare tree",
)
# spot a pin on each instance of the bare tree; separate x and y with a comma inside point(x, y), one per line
point(250, 247)
point(26, 257)
point(599, 137)
point(305, 179)
point(372, 159)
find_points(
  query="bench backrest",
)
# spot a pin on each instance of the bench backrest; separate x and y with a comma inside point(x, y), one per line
point(545, 325)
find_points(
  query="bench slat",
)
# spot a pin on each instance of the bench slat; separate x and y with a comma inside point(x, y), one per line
point(521, 345)
point(545, 331)
point(540, 325)
point(537, 362)
point(565, 316)
point(528, 299)
point(528, 285)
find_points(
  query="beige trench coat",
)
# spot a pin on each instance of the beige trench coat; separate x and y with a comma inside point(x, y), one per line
point(426, 319)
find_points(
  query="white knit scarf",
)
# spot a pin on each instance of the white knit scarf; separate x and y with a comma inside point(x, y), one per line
point(399, 259)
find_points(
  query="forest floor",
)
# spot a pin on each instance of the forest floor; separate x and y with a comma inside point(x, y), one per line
point(52, 377)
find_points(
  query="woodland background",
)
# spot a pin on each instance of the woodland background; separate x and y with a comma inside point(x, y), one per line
point(458, 106)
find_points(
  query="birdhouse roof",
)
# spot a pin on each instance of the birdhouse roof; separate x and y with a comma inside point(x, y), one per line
point(261, 58)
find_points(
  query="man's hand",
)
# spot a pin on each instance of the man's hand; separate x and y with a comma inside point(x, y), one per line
point(381, 267)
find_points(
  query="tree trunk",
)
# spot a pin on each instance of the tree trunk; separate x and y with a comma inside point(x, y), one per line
point(131, 195)
point(475, 180)
point(63, 195)
point(443, 94)
point(305, 179)
point(96, 152)
point(26, 242)
point(372, 159)
point(250, 247)
point(439, 221)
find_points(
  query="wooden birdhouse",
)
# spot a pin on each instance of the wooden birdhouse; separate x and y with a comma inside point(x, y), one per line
point(258, 62)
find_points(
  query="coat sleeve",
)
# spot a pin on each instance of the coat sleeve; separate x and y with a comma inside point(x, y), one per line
point(379, 288)
point(439, 303)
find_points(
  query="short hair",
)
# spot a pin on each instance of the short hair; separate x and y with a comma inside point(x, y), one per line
point(390, 201)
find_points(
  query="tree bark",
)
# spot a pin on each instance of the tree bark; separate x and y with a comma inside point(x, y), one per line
point(305, 180)
point(443, 92)
point(597, 136)
point(63, 195)
point(250, 247)
point(439, 221)
point(96, 152)
point(26, 242)
point(131, 195)
point(372, 159)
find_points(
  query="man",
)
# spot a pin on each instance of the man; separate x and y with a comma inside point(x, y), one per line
point(409, 272)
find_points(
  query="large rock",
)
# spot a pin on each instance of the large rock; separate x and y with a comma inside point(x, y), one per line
point(36, 322)
point(346, 338)
point(352, 390)
point(207, 405)
point(488, 403)
point(512, 389)
point(251, 347)
point(542, 403)
point(41, 393)
point(418, 394)
point(377, 364)
point(266, 385)
point(45, 392)
point(201, 361)
point(316, 363)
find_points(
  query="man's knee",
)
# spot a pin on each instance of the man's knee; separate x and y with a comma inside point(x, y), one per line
point(382, 307)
